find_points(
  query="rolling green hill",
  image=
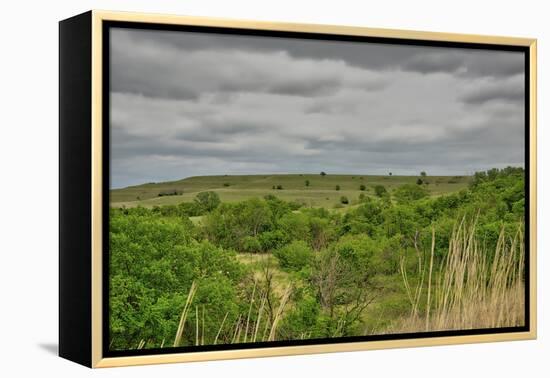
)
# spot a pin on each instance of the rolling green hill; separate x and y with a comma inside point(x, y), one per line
point(320, 192)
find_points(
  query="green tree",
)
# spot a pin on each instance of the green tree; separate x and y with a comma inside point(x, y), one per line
point(307, 182)
point(251, 244)
point(207, 201)
point(229, 224)
point(294, 256)
point(321, 232)
point(295, 226)
point(189, 209)
point(337, 187)
point(343, 279)
point(270, 240)
point(362, 187)
point(153, 262)
point(304, 317)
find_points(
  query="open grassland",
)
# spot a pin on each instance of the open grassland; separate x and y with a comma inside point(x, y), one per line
point(310, 190)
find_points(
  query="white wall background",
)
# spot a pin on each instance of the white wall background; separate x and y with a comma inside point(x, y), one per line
point(28, 186)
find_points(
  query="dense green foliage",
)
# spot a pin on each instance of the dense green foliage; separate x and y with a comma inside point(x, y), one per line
point(336, 263)
point(294, 256)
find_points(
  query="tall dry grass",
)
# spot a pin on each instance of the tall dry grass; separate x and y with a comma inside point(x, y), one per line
point(244, 329)
point(184, 313)
point(471, 288)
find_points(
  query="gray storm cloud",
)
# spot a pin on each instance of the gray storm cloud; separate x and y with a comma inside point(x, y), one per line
point(185, 104)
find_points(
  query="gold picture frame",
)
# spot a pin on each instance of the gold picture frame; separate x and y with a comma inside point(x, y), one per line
point(83, 276)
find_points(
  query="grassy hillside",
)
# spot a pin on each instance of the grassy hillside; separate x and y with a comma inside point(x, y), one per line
point(320, 192)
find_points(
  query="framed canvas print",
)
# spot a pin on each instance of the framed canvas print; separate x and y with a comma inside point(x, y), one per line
point(235, 189)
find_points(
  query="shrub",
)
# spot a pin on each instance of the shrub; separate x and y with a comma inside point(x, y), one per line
point(323, 174)
point(189, 209)
point(271, 240)
point(296, 204)
point(344, 200)
point(409, 192)
point(294, 256)
point(419, 181)
point(307, 182)
point(251, 244)
point(170, 192)
point(231, 222)
point(226, 184)
point(380, 190)
point(337, 187)
point(294, 225)
point(304, 315)
point(279, 187)
point(362, 187)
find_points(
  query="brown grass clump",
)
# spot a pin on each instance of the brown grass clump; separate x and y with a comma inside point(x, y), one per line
point(471, 289)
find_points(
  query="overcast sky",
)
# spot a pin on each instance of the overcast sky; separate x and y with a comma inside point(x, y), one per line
point(186, 104)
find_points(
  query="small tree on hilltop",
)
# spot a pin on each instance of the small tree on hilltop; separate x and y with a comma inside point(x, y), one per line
point(323, 174)
point(423, 174)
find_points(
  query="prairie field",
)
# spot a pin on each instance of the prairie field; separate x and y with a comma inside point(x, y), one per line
point(238, 259)
point(319, 192)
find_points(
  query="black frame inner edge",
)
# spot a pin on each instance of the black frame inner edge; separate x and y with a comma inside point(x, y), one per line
point(107, 25)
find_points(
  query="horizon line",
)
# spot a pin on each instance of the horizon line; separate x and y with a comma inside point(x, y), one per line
point(283, 174)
